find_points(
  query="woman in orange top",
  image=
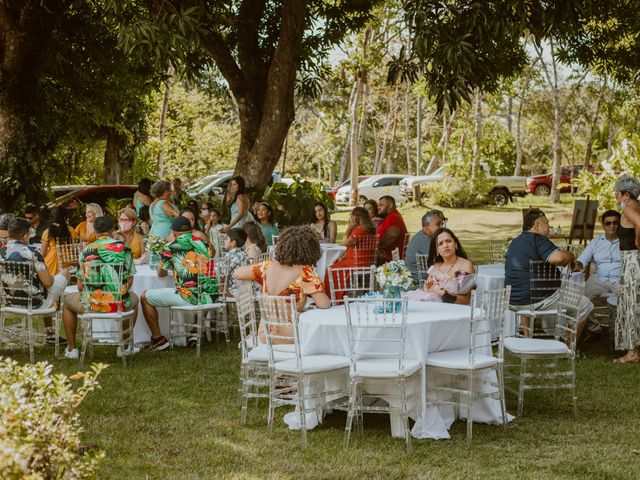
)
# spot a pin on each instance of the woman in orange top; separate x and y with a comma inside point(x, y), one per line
point(126, 222)
point(84, 230)
point(292, 272)
point(58, 232)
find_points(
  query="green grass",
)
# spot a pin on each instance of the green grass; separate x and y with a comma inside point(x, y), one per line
point(170, 415)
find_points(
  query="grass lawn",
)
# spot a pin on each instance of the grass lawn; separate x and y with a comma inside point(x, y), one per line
point(170, 415)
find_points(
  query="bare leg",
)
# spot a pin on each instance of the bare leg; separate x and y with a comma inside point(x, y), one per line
point(151, 316)
point(70, 321)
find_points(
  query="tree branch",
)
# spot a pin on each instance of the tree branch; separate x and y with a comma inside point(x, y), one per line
point(216, 46)
point(249, 16)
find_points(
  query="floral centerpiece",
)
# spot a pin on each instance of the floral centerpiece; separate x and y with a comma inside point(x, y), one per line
point(155, 245)
point(392, 277)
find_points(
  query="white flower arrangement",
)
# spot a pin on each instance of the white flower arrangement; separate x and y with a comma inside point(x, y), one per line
point(155, 244)
point(394, 274)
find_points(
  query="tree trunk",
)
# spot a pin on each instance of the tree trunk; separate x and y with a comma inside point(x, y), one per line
point(418, 137)
point(594, 124)
point(510, 113)
point(163, 123)
point(112, 159)
point(407, 140)
point(444, 138)
point(519, 138)
point(477, 134)
point(389, 124)
point(346, 153)
point(355, 143)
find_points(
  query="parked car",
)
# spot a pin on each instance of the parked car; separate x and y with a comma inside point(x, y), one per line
point(59, 190)
point(95, 194)
point(373, 187)
point(504, 189)
point(333, 191)
point(541, 184)
point(218, 184)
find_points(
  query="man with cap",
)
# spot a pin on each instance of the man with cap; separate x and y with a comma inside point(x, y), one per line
point(105, 251)
point(185, 255)
point(419, 244)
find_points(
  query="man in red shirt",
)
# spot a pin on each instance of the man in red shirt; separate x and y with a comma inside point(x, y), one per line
point(392, 230)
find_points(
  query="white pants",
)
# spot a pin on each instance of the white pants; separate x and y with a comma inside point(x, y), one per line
point(55, 290)
point(551, 303)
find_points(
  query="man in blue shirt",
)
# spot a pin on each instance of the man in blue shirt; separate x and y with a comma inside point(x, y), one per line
point(533, 244)
point(420, 242)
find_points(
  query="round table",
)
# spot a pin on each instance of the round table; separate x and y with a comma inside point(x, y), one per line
point(490, 277)
point(431, 327)
point(145, 279)
point(330, 253)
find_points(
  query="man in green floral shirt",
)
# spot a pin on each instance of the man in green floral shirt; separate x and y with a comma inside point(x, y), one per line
point(105, 290)
point(185, 256)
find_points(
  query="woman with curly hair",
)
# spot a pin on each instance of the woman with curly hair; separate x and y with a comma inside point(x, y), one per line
point(292, 271)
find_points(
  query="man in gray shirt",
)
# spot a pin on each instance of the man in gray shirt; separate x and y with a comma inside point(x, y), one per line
point(419, 244)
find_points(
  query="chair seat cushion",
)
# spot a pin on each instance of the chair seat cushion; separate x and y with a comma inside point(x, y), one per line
point(194, 308)
point(384, 367)
point(112, 315)
point(261, 353)
point(532, 346)
point(314, 364)
point(25, 311)
point(459, 360)
point(537, 313)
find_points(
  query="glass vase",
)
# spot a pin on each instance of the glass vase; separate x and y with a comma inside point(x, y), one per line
point(154, 261)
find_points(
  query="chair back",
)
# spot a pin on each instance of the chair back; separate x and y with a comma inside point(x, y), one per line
point(216, 270)
point(488, 313)
point(497, 251)
point(263, 257)
point(376, 330)
point(68, 255)
point(364, 250)
point(422, 267)
point(280, 319)
point(571, 293)
point(102, 286)
point(246, 310)
point(405, 245)
point(544, 280)
point(352, 281)
point(18, 287)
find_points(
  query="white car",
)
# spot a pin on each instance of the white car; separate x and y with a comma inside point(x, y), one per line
point(215, 185)
point(373, 187)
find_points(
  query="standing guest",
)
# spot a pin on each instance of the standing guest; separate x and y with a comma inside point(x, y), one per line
point(236, 241)
point(189, 214)
point(534, 244)
point(161, 210)
point(238, 203)
point(392, 230)
point(321, 221)
point(183, 255)
point(5, 218)
point(58, 232)
point(359, 226)
point(85, 231)
point(127, 219)
point(179, 196)
point(421, 241)
point(291, 272)
point(264, 214)
point(45, 288)
point(143, 224)
point(447, 261)
point(100, 298)
point(628, 312)
point(142, 196)
point(34, 215)
point(372, 208)
point(256, 244)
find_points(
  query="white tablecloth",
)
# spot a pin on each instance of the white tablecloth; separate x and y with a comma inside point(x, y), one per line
point(330, 253)
point(431, 327)
point(145, 279)
point(490, 277)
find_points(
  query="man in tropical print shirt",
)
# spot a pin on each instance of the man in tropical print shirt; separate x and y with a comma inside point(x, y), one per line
point(106, 290)
point(184, 256)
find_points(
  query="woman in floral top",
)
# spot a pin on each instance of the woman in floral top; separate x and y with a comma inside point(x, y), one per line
point(292, 272)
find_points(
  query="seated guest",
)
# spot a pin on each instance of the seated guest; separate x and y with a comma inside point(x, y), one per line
point(256, 244)
point(142, 196)
point(205, 209)
point(213, 222)
point(196, 232)
point(421, 241)
point(143, 225)
point(5, 218)
point(46, 288)
point(372, 208)
point(85, 230)
point(34, 215)
point(392, 230)
point(533, 244)
point(127, 219)
point(58, 232)
point(292, 271)
point(321, 221)
point(264, 215)
point(449, 267)
point(100, 298)
point(360, 226)
point(183, 255)
point(236, 240)
point(195, 208)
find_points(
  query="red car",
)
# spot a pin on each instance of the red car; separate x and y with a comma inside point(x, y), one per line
point(332, 191)
point(99, 194)
point(541, 184)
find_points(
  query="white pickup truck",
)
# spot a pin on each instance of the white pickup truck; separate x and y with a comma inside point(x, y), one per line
point(503, 191)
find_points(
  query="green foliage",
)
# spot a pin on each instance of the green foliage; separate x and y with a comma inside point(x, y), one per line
point(293, 204)
point(458, 189)
point(39, 423)
point(114, 205)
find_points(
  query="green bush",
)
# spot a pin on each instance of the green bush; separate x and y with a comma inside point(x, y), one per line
point(39, 425)
point(293, 204)
point(459, 192)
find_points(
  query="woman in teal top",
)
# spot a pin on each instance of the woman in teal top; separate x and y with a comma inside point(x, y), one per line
point(238, 203)
point(161, 210)
point(264, 214)
point(142, 196)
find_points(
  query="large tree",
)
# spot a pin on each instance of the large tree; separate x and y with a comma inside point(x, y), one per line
point(265, 51)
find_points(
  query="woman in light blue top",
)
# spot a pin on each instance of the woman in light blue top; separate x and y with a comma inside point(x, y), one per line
point(142, 196)
point(239, 204)
point(264, 214)
point(162, 211)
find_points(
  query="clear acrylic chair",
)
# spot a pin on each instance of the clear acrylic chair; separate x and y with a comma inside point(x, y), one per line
point(376, 330)
point(405, 245)
point(100, 326)
point(470, 367)
point(422, 266)
point(68, 255)
point(540, 359)
point(296, 381)
point(352, 281)
point(497, 251)
point(16, 300)
point(364, 251)
point(208, 270)
point(263, 257)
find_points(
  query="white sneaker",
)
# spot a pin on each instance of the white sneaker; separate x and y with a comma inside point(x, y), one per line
point(130, 350)
point(71, 355)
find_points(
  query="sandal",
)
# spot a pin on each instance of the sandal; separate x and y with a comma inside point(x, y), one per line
point(627, 359)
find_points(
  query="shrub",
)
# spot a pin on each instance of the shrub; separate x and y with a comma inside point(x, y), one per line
point(459, 192)
point(39, 425)
point(293, 204)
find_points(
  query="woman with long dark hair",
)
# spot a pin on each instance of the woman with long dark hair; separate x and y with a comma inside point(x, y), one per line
point(238, 203)
point(256, 243)
point(321, 221)
point(142, 196)
point(264, 215)
point(59, 231)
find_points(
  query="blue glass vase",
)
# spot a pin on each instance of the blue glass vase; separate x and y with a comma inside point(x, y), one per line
point(390, 292)
point(154, 261)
